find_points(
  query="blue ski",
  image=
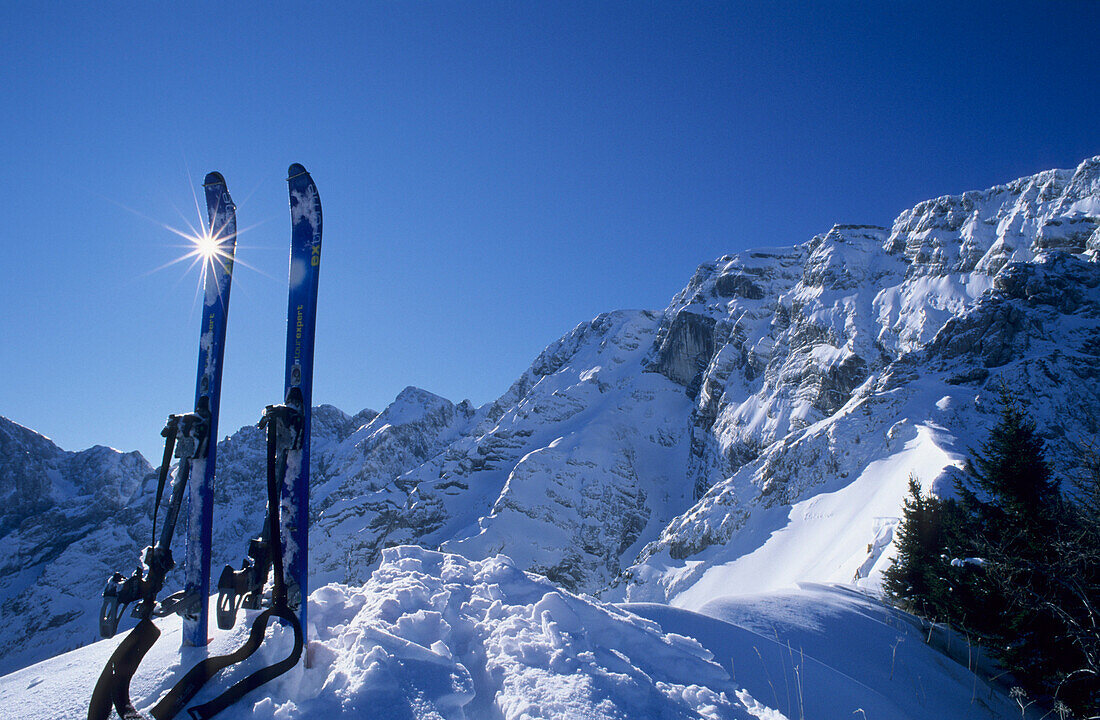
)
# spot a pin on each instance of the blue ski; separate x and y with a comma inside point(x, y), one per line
point(193, 439)
point(218, 272)
point(305, 261)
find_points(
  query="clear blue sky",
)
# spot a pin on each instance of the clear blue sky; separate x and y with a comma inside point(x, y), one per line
point(492, 173)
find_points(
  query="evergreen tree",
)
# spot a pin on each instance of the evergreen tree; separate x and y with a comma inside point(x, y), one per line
point(1012, 562)
point(916, 579)
point(926, 577)
point(1077, 582)
point(1011, 492)
point(1016, 522)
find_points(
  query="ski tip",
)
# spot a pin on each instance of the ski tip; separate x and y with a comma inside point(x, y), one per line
point(294, 171)
point(214, 178)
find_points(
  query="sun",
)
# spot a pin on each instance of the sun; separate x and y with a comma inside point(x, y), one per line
point(207, 246)
point(209, 250)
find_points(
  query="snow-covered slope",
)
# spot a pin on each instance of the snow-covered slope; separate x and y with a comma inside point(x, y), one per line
point(571, 471)
point(435, 635)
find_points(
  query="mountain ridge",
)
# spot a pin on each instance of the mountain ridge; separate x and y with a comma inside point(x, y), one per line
point(757, 432)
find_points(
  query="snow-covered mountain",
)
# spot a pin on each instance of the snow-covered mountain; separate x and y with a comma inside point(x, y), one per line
point(65, 518)
point(757, 433)
point(835, 369)
point(760, 431)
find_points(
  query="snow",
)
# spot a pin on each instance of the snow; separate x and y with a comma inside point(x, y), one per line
point(836, 368)
point(433, 635)
point(306, 207)
point(838, 536)
point(912, 312)
point(821, 651)
point(817, 542)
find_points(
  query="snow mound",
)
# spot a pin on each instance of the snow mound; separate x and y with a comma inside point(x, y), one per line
point(436, 633)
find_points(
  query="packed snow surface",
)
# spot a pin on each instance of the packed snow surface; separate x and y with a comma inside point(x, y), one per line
point(435, 635)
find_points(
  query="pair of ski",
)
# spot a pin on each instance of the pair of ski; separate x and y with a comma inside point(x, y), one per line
point(192, 439)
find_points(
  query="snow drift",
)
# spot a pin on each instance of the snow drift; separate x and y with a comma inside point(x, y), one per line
point(434, 635)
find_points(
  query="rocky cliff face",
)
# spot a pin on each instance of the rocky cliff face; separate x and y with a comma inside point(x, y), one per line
point(568, 472)
point(60, 511)
point(857, 357)
point(757, 432)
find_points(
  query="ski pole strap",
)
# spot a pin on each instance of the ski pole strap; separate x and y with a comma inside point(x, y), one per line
point(145, 633)
point(113, 686)
point(190, 684)
point(169, 433)
point(256, 679)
